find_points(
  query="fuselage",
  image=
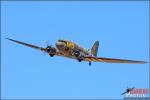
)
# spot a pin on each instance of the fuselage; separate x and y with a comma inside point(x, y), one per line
point(68, 48)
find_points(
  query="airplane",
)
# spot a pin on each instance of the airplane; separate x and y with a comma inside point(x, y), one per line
point(128, 90)
point(69, 49)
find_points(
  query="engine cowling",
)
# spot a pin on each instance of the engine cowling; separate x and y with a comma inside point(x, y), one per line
point(78, 55)
point(51, 50)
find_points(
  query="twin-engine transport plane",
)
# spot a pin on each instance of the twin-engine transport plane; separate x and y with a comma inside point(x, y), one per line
point(69, 49)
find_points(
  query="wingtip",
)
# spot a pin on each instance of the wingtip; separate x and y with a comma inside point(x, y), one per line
point(142, 62)
point(8, 38)
point(145, 62)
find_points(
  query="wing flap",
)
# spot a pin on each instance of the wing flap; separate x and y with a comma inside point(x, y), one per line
point(112, 60)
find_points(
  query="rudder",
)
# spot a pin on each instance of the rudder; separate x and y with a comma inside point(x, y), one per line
point(94, 49)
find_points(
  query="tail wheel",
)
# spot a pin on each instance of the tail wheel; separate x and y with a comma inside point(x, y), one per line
point(90, 63)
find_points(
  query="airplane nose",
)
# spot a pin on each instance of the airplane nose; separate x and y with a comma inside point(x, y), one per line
point(60, 44)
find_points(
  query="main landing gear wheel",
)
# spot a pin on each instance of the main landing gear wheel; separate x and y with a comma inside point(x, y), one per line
point(52, 55)
point(79, 60)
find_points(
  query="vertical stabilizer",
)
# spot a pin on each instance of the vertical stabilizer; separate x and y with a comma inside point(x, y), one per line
point(94, 49)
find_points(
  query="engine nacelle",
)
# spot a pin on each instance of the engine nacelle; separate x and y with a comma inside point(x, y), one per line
point(51, 50)
point(78, 55)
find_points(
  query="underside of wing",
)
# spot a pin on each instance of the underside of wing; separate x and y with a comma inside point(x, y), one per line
point(26, 44)
point(65, 55)
point(112, 60)
point(40, 48)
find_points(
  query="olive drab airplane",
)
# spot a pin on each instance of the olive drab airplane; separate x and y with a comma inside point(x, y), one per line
point(69, 49)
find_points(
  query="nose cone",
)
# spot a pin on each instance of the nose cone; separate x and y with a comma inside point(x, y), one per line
point(60, 44)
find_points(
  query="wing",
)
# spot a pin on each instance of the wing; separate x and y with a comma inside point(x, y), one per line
point(28, 45)
point(33, 46)
point(36, 47)
point(112, 60)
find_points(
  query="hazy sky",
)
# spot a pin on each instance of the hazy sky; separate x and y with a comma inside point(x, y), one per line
point(121, 27)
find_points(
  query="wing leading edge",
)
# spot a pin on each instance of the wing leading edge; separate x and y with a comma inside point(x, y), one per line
point(28, 45)
point(112, 60)
point(33, 46)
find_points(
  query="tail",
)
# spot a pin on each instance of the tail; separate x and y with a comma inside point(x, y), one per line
point(94, 49)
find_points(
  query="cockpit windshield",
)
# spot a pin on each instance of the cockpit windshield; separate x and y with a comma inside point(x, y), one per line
point(62, 41)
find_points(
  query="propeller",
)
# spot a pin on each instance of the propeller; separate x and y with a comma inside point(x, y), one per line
point(47, 47)
point(47, 44)
point(50, 49)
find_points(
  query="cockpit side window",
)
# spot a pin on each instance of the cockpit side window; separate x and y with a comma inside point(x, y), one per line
point(62, 41)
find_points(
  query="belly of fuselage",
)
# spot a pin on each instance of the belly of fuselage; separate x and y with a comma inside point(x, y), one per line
point(66, 52)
